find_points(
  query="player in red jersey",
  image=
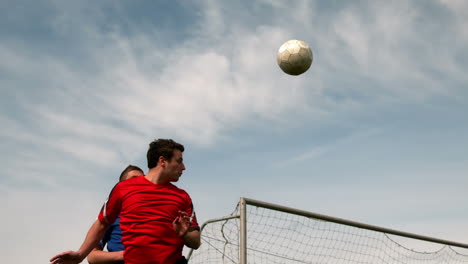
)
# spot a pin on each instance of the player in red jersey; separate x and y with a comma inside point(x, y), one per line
point(157, 218)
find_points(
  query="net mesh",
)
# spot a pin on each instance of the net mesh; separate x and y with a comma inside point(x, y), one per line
point(278, 237)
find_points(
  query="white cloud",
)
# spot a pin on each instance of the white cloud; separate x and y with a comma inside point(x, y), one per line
point(196, 96)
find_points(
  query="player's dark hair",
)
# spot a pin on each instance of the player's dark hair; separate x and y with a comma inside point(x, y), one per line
point(127, 170)
point(164, 148)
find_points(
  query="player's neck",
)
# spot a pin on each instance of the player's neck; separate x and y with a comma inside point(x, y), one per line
point(156, 176)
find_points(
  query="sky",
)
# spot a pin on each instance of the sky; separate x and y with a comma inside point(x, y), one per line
point(376, 131)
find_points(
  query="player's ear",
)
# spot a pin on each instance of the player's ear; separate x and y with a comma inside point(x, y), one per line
point(162, 161)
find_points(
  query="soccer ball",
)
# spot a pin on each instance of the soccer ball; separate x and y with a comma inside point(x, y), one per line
point(294, 57)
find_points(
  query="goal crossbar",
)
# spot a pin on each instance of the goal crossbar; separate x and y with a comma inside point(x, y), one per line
point(290, 210)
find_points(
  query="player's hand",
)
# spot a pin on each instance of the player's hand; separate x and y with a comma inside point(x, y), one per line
point(182, 223)
point(68, 257)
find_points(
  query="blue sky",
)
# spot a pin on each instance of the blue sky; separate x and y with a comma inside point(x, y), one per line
point(376, 131)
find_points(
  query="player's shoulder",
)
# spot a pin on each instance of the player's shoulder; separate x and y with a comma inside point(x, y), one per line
point(177, 189)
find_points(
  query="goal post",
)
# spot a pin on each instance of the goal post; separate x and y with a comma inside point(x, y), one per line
point(261, 232)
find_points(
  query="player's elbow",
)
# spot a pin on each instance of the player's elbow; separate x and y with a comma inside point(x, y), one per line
point(192, 240)
point(194, 246)
point(92, 258)
point(193, 243)
point(197, 244)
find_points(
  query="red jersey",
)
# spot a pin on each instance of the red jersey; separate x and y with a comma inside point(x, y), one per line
point(147, 211)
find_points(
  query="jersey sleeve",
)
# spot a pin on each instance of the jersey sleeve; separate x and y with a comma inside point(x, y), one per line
point(111, 208)
point(193, 215)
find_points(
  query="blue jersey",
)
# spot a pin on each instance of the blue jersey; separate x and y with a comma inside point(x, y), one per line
point(113, 237)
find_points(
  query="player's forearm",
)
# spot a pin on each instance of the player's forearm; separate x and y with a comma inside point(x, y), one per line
point(192, 239)
point(95, 234)
point(103, 257)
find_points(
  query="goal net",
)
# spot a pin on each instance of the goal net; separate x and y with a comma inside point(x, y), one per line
point(266, 233)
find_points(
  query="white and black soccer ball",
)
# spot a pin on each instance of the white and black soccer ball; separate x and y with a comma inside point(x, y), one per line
point(294, 57)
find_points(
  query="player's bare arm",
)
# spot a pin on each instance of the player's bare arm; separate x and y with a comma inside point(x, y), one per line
point(95, 233)
point(99, 256)
point(182, 225)
point(192, 239)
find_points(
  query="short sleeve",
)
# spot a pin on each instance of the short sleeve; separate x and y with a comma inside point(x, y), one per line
point(111, 208)
point(193, 215)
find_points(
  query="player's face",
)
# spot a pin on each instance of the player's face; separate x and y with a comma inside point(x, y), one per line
point(132, 174)
point(175, 166)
